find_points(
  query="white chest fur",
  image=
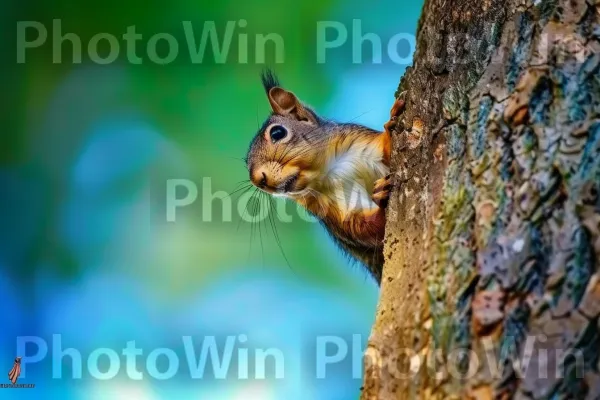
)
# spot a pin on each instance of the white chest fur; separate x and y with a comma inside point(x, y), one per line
point(350, 176)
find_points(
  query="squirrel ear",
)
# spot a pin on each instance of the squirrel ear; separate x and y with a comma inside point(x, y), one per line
point(282, 101)
point(287, 104)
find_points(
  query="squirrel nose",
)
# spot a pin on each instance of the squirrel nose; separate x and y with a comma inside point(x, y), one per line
point(260, 178)
point(263, 181)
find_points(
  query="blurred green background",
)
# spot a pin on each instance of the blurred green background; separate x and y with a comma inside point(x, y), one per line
point(86, 152)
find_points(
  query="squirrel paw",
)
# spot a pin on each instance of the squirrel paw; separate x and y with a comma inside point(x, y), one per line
point(381, 191)
point(396, 110)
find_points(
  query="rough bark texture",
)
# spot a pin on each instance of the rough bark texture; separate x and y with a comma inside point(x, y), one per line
point(493, 236)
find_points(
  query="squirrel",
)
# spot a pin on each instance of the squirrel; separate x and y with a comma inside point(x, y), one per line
point(339, 172)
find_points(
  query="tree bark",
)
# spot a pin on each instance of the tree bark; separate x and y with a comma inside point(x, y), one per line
point(493, 232)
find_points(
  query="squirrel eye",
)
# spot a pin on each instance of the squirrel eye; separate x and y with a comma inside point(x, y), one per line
point(278, 132)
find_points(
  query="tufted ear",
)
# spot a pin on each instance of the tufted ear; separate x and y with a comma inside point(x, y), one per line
point(287, 104)
point(283, 102)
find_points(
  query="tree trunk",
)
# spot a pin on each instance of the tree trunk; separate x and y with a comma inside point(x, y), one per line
point(491, 286)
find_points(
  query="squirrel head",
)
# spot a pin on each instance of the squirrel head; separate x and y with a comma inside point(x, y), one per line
point(286, 154)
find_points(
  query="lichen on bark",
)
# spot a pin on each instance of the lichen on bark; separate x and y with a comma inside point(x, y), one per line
point(493, 234)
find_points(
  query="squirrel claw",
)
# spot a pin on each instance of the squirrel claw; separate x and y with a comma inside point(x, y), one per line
point(396, 110)
point(381, 191)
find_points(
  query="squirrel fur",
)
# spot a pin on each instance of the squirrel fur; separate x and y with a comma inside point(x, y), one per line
point(339, 172)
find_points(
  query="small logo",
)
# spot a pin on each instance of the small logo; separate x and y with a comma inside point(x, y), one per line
point(14, 373)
